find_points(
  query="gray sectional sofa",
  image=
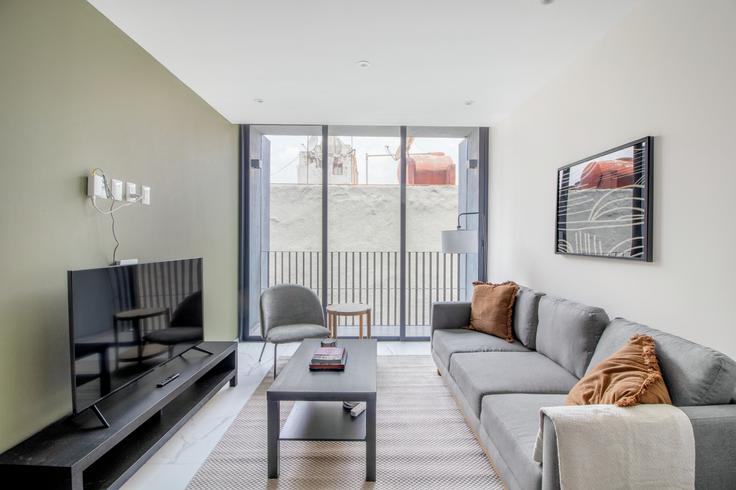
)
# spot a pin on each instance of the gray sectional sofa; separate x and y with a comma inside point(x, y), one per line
point(501, 386)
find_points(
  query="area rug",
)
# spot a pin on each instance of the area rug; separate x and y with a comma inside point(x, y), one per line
point(422, 441)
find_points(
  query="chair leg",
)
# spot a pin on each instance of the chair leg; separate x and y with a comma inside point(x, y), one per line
point(274, 361)
point(262, 350)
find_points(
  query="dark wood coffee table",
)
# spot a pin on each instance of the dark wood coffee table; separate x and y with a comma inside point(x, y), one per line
point(317, 414)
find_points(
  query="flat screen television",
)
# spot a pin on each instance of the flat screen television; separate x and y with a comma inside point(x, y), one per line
point(126, 320)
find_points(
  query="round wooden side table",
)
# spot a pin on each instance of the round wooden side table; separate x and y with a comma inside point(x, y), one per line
point(347, 310)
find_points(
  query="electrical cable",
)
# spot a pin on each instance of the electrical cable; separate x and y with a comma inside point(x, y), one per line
point(114, 234)
point(112, 210)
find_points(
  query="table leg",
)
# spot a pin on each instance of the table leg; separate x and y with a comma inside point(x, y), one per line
point(361, 326)
point(370, 320)
point(370, 440)
point(273, 438)
point(334, 326)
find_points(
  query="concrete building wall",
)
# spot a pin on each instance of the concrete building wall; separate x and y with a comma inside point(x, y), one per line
point(361, 217)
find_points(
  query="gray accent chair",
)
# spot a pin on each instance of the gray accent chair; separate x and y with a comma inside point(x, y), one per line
point(290, 313)
point(501, 386)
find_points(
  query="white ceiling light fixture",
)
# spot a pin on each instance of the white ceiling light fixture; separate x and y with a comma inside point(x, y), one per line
point(364, 63)
point(258, 100)
point(469, 102)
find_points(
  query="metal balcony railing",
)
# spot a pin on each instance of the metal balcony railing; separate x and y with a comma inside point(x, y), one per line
point(372, 277)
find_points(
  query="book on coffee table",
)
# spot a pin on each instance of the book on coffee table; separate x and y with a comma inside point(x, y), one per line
point(328, 359)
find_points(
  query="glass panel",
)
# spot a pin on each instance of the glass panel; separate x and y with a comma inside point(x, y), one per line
point(442, 181)
point(286, 210)
point(364, 225)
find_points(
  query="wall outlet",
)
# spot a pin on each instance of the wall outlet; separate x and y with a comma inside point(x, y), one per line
point(146, 193)
point(130, 192)
point(96, 187)
point(116, 189)
point(126, 262)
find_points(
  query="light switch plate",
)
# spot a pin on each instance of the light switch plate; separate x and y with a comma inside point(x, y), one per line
point(130, 192)
point(116, 188)
point(146, 195)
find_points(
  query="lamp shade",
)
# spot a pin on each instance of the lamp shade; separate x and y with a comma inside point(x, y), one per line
point(460, 241)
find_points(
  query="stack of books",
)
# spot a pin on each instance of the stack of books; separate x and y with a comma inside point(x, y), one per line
point(329, 359)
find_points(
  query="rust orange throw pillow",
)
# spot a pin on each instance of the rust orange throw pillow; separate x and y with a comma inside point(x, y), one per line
point(629, 377)
point(492, 308)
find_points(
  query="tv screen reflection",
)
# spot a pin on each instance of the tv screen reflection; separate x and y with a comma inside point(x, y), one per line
point(126, 320)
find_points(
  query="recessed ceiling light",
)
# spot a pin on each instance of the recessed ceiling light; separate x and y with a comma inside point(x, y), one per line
point(469, 102)
point(547, 2)
point(258, 101)
point(364, 63)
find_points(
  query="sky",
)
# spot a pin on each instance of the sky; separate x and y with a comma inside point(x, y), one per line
point(380, 170)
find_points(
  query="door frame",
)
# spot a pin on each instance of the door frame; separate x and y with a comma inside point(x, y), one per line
point(246, 218)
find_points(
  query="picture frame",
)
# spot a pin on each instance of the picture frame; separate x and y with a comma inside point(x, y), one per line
point(604, 204)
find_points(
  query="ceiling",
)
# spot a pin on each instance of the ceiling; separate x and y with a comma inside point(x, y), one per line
point(428, 57)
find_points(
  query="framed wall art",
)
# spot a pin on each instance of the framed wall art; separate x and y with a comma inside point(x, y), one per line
point(604, 204)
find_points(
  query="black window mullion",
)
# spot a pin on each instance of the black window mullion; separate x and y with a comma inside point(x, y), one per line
point(402, 241)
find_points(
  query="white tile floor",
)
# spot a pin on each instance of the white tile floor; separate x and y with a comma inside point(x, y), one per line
point(179, 459)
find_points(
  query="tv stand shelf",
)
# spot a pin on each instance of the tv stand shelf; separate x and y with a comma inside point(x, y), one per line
point(79, 453)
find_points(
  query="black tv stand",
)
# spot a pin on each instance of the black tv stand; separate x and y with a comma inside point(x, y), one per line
point(102, 418)
point(74, 454)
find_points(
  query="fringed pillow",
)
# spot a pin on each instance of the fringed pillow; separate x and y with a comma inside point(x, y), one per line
point(631, 376)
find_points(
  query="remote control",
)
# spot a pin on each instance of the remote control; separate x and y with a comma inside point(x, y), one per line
point(358, 409)
point(167, 380)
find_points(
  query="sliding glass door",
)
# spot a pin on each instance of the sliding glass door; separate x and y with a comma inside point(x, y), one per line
point(441, 183)
point(368, 225)
point(363, 225)
point(285, 210)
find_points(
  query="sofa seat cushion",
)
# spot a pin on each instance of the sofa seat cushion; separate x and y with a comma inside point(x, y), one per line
point(694, 374)
point(296, 332)
point(512, 422)
point(447, 342)
point(484, 373)
point(568, 332)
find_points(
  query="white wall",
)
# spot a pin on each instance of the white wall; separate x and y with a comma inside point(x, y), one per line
point(668, 70)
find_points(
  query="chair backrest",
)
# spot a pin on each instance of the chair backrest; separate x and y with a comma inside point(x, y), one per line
point(289, 304)
point(189, 312)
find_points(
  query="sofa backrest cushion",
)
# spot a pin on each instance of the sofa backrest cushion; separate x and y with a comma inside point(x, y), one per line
point(694, 374)
point(568, 332)
point(526, 316)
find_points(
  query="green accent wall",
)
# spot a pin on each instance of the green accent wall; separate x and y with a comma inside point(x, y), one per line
point(77, 93)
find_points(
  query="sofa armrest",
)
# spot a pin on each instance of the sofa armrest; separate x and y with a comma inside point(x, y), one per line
point(714, 430)
point(714, 427)
point(446, 314)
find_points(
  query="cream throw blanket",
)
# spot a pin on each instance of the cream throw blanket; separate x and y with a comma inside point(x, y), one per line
point(608, 447)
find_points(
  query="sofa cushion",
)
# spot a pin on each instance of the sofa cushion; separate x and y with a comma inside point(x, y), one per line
point(568, 332)
point(484, 373)
point(694, 374)
point(447, 342)
point(526, 316)
point(512, 422)
point(492, 308)
point(630, 376)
